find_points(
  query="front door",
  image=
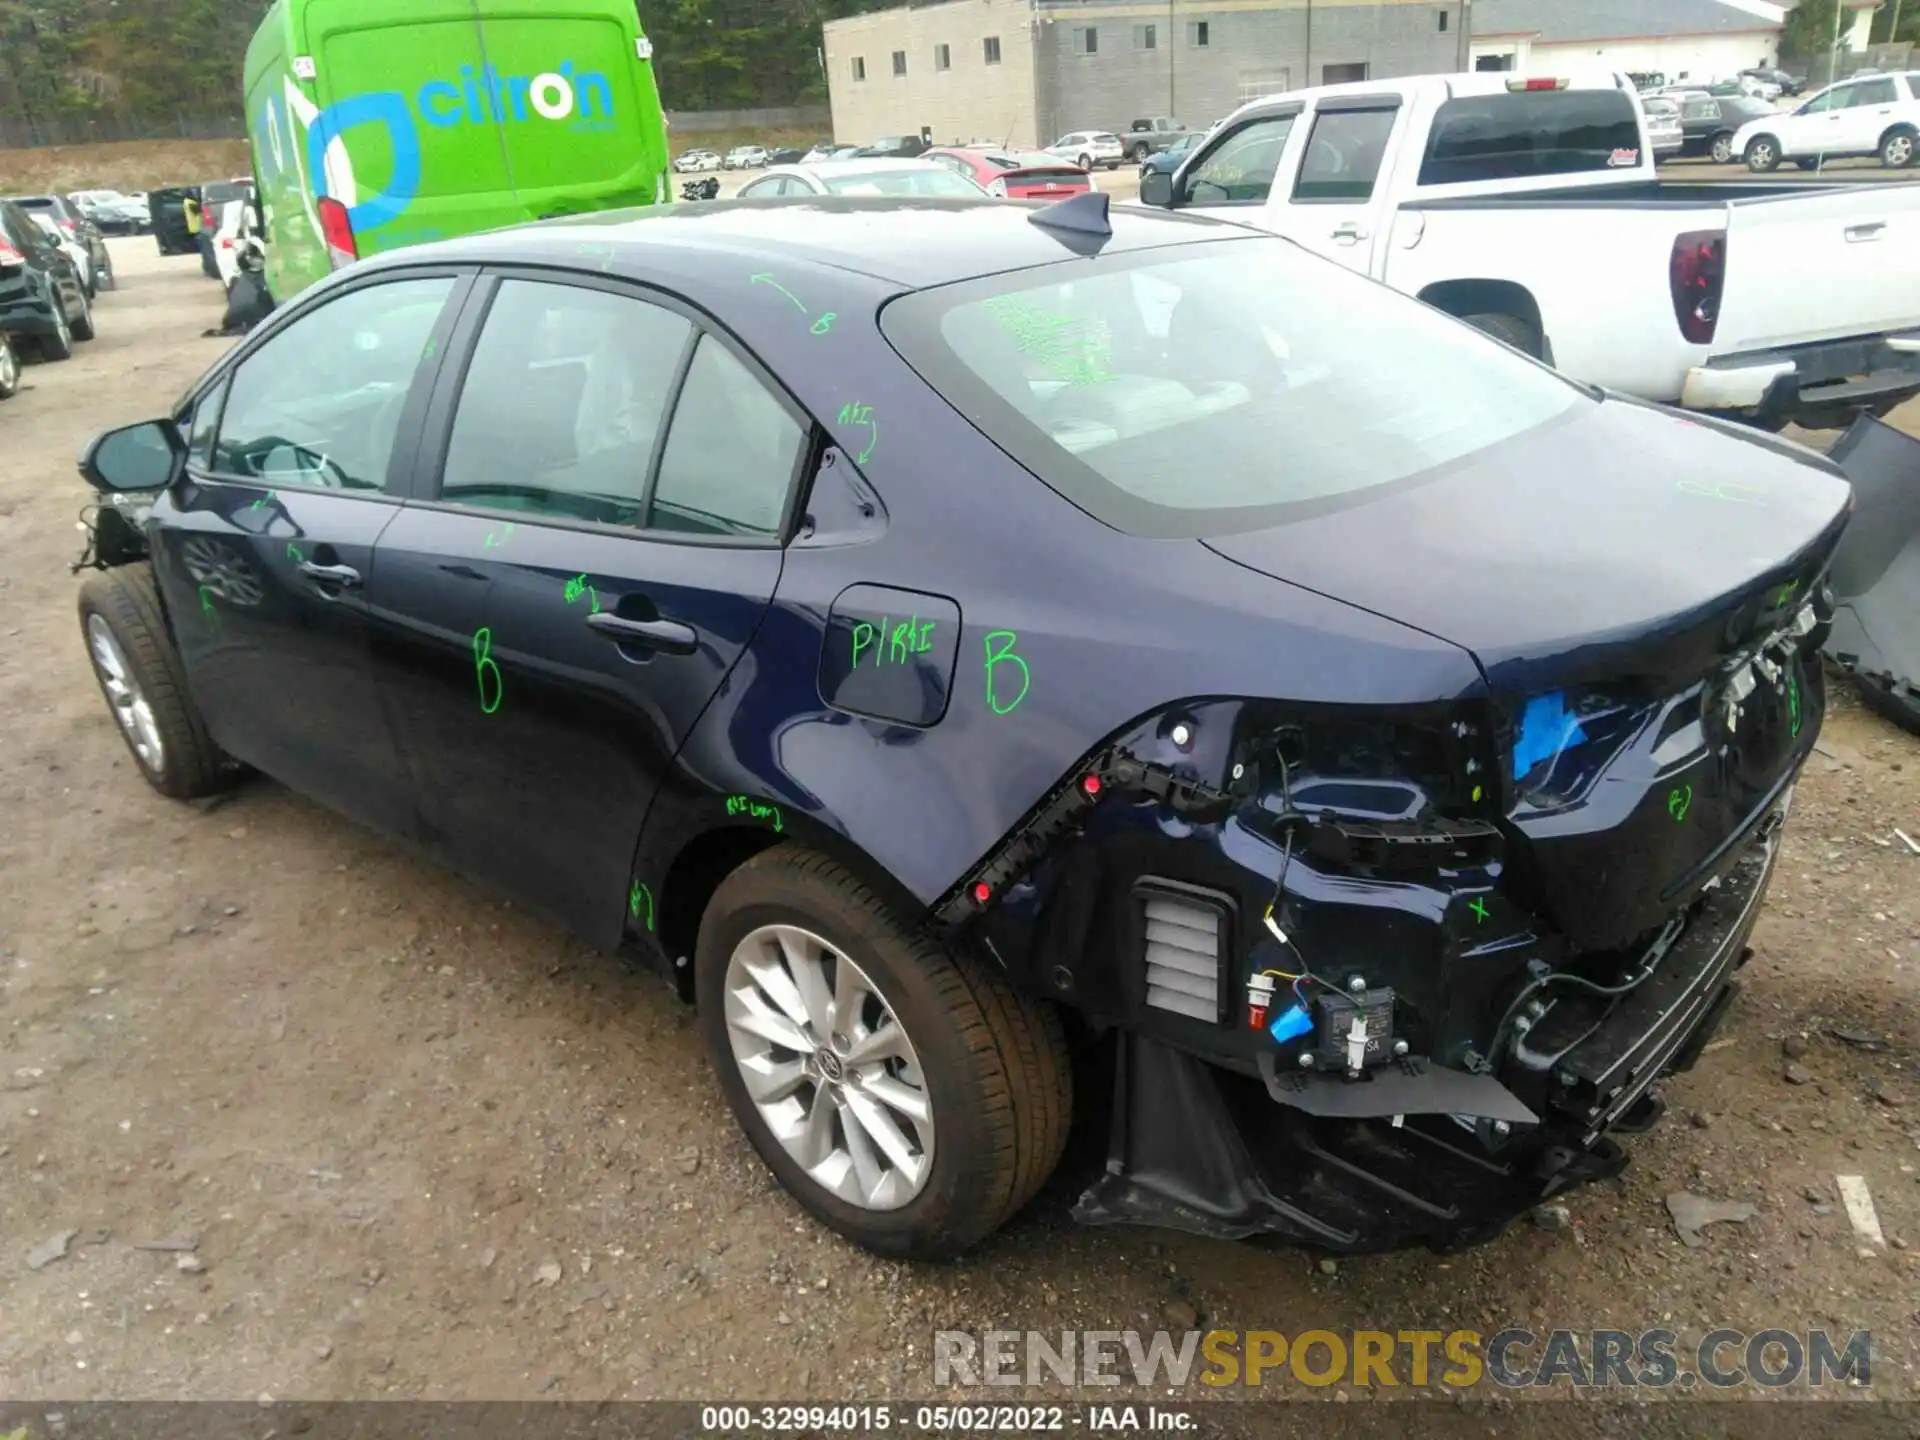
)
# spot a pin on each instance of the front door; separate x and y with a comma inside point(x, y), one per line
point(602, 544)
point(264, 552)
point(1233, 179)
point(1331, 210)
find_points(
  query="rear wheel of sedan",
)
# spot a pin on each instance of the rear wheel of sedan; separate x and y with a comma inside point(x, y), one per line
point(83, 323)
point(9, 368)
point(1722, 148)
point(908, 1098)
point(1897, 148)
point(145, 686)
point(1763, 154)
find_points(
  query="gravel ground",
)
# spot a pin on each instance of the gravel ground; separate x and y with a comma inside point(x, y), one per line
point(318, 1120)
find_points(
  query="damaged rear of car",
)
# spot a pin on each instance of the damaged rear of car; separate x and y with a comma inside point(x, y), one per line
point(1391, 973)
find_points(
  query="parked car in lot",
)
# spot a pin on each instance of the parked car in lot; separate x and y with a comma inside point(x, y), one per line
point(691, 162)
point(862, 177)
point(1708, 123)
point(43, 300)
point(1664, 131)
point(891, 147)
point(1878, 115)
point(1016, 174)
point(745, 157)
point(1780, 80)
point(1168, 160)
point(786, 155)
point(1088, 148)
point(167, 218)
point(113, 212)
point(215, 196)
point(1529, 206)
point(75, 229)
point(73, 249)
point(1150, 136)
point(923, 713)
point(823, 150)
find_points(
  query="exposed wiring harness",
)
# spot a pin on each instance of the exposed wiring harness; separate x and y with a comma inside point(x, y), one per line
point(1285, 822)
point(1656, 952)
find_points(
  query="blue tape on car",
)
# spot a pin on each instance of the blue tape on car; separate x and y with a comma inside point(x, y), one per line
point(1546, 728)
point(1291, 1024)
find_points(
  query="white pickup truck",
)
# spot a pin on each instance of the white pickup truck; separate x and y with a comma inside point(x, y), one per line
point(1530, 208)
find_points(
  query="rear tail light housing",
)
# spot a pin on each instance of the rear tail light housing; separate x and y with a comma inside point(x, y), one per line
point(1696, 274)
point(337, 230)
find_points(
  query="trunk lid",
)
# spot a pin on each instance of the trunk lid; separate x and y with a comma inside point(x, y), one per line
point(1615, 576)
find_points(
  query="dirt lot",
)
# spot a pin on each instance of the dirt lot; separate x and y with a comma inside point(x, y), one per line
point(423, 1145)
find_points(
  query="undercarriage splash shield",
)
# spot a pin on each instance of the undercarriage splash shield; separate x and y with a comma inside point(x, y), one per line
point(1876, 570)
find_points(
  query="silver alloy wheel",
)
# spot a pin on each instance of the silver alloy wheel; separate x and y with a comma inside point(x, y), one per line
point(1723, 148)
point(1898, 152)
point(62, 328)
point(129, 706)
point(1760, 155)
point(829, 1067)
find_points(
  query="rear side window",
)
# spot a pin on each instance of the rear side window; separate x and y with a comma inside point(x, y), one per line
point(1344, 154)
point(1531, 133)
point(564, 403)
point(1874, 92)
point(320, 402)
point(731, 453)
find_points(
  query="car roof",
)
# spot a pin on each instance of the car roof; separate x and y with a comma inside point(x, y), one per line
point(912, 243)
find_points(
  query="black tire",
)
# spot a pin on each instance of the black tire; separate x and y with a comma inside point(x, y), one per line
point(994, 1062)
point(58, 345)
point(1086, 163)
point(1721, 148)
point(9, 368)
point(104, 278)
point(1813, 164)
point(125, 599)
point(1518, 333)
point(1899, 147)
point(83, 327)
point(1762, 154)
point(1140, 152)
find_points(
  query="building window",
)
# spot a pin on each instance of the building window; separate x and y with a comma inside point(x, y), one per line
point(1343, 74)
point(1086, 40)
point(1199, 35)
point(859, 67)
point(1144, 37)
point(900, 62)
point(990, 49)
point(1443, 20)
point(942, 57)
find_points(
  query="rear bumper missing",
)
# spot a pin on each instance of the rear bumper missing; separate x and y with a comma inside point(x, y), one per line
point(1819, 385)
point(1389, 1161)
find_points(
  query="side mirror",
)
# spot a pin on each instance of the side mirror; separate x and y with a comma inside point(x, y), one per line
point(1157, 189)
point(147, 456)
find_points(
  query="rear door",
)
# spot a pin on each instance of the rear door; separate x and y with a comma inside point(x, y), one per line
point(1869, 110)
point(1820, 265)
point(265, 553)
point(579, 119)
point(596, 548)
point(1331, 206)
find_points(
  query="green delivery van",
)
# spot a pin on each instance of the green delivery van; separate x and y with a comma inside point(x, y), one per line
point(375, 124)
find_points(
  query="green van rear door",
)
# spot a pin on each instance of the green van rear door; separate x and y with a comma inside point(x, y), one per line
point(580, 117)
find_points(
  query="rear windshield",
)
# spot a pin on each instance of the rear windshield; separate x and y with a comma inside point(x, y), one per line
point(1531, 133)
point(1207, 388)
point(930, 181)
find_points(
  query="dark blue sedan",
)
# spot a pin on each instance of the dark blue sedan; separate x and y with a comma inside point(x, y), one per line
point(965, 644)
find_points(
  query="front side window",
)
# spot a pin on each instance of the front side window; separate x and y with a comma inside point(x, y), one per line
point(320, 402)
point(1531, 133)
point(1240, 170)
point(563, 403)
point(731, 453)
point(1834, 99)
point(1298, 383)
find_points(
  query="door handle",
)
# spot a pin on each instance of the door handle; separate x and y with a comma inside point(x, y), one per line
point(1869, 231)
point(1349, 234)
point(343, 576)
point(668, 636)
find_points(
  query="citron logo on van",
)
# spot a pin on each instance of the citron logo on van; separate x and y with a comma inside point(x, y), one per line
point(515, 99)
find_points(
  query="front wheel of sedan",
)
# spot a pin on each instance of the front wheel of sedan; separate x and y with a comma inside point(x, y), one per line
point(59, 344)
point(910, 1099)
point(9, 369)
point(83, 328)
point(1722, 149)
point(145, 687)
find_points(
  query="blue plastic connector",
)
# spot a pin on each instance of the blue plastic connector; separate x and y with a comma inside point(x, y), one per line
point(1291, 1024)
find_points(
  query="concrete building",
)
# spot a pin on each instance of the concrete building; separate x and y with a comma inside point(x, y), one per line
point(1681, 39)
point(1028, 71)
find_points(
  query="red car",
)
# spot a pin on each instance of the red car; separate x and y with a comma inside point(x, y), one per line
point(1016, 174)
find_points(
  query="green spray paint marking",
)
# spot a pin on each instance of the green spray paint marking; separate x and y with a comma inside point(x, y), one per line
point(1727, 490)
point(1070, 349)
point(498, 538)
point(897, 646)
point(207, 612)
point(262, 502)
point(824, 323)
point(1476, 792)
point(1005, 656)
point(1786, 593)
point(1793, 703)
point(578, 586)
point(854, 413)
point(293, 554)
point(1679, 802)
point(753, 809)
point(1479, 907)
point(635, 896)
point(820, 326)
point(484, 670)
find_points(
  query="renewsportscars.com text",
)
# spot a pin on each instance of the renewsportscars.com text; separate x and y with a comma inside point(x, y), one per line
point(1457, 1359)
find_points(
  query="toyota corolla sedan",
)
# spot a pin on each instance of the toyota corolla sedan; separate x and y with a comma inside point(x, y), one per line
point(948, 638)
point(1017, 174)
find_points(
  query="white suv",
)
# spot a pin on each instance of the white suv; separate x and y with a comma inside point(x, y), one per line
point(1088, 148)
point(1867, 115)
